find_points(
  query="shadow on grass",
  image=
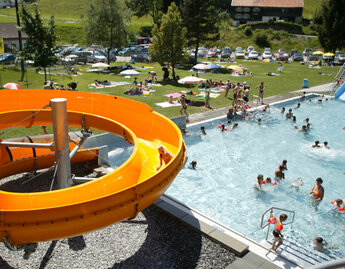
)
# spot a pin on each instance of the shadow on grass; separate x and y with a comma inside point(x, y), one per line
point(174, 83)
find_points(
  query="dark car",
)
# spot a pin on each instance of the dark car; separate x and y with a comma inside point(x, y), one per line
point(284, 57)
point(293, 52)
point(297, 57)
point(7, 58)
point(226, 53)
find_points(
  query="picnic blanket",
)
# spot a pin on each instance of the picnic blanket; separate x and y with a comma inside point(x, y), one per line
point(174, 95)
point(214, 90)
point(212, 95)
point(167, 104)
point(112, 84)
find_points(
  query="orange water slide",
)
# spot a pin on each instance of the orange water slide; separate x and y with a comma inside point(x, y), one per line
point(119, 195)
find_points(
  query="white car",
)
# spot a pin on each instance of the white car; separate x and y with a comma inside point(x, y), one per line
point(253, 55)
point(267, 55)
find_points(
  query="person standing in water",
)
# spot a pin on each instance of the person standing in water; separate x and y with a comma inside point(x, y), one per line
point(317, 191)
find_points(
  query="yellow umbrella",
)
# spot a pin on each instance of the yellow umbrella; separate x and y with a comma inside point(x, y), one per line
point(236, 68)
point(318, 53)
point(329, 54)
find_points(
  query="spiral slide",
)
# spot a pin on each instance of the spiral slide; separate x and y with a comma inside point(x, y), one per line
point(119, 195)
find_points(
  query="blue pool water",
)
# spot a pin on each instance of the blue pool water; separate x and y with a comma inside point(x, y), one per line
point(229, 163)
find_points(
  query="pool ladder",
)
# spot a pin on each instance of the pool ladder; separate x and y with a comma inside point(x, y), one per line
point(295, 250)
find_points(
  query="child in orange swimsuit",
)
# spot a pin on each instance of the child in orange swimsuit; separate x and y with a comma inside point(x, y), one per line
point(278, 237)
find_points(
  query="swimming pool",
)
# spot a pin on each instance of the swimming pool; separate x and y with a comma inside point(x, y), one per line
point(229, 163)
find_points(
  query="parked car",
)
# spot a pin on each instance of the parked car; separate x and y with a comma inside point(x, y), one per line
point(253, 55)
point(96, 57)
point(239, 54)
point(267, 55)
point(284, 57)
point(143, 57)
point(314, 58)
point(339, 59)
point(226, 53)
point(238, 49)
point(212, 53)
point(307, 51)
point(268, 49)
point(7, 58)
point(297, 57)
point(292, 52)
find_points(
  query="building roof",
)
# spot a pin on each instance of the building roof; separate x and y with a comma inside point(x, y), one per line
point(268, 3)
point(9, 30)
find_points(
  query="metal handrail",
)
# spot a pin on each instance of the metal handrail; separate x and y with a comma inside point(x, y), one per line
point(339, 75)
point(268, 224)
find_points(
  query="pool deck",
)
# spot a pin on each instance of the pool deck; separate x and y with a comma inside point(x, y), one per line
point(215, 113)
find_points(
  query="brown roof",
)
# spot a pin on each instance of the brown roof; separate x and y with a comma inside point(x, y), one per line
point(267, 3)
point(9, 30)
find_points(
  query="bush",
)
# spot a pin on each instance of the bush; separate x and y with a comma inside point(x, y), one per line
point(248, 31)
point(262, 41)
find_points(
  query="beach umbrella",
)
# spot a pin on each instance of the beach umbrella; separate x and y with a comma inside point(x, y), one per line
point(202, 67)
point(12, 86)
point(100, 65)
point(318, 52)
point(235, 68)
point(129, 72)
point(191, 80)
point(329, 54)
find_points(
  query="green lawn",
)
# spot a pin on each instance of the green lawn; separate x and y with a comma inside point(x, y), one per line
point(309, 8)
point(289, 80)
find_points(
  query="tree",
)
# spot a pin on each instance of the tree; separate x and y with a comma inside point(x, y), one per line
point(331, 31)
point(154, 8)
point(107, 24)
point(169, 39)
point(200, 18)
point(41, 41)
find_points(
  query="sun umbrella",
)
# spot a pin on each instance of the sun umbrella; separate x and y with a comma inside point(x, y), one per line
point(235, 68)
point(100, 65)
point(329, 54)
point(191, 80)
point(129, 72)
point(318, 53)
point(202, 67)
point(12, 86)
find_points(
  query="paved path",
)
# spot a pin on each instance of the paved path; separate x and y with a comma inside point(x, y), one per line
point(214, 113)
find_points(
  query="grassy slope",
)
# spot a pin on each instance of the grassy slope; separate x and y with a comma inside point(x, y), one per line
point(309, 8)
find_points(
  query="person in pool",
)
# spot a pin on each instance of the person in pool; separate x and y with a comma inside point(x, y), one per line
point(279, 175)
point(303, 129)
point(234, 126)
point(184, 131)
point(278, 237)
point(258, 183)
point(289, 114)
point(298, 105)
point(282, 110)
point(284, 163)
point(325, 145)
point(320, 244)
point(202, 128)
point(316, 145)
point(259, 121)
point(293, 118)
point(317, 191)
point(192, 165)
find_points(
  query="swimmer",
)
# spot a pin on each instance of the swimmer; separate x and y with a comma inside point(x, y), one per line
point(321, 245)
point(192, 165)
point(339, 204)
point(302, 96)
point(317, 191)
point(319, 101)
point(202, 128)
point(259, 121)
point(308, 126)
point(278, 237)
point(222, 128)
point(289, 114)
point(298, 105)
point(306, 120)
point(234, 126)
point(325, 145)
point(267, 107)
point(279, 175)
point(316, 145)
point(164, 156)
point(284, 163)
point(283, 110)
point(258, 182)
point(184, 131)
point(293, 118)
point(268, 180)
point(303, 129)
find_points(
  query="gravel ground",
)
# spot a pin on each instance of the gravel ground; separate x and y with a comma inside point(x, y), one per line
point(152, 240)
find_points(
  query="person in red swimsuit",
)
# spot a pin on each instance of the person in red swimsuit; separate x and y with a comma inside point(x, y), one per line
point(278, 237)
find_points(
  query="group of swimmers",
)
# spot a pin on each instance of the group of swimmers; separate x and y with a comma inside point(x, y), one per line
point(278, 175)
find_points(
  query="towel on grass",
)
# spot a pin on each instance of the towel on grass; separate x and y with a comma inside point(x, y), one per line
point(167, 104)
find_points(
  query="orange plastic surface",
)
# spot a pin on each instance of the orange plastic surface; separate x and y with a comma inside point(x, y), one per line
point(119, 195)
